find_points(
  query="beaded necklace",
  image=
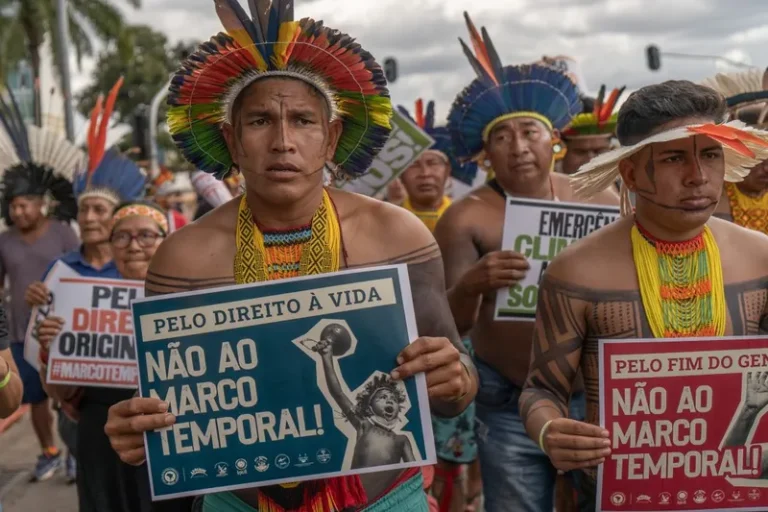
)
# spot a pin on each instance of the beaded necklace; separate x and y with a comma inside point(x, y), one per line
point(681, 284)
point(747, 211)
point(272, 254)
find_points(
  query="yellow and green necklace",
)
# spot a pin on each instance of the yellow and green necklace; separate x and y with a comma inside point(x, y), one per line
point(681, 284)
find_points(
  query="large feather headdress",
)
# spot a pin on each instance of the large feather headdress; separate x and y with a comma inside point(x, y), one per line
point(108, 174)
point(504, 92)
point(742, 90)
point(425, 119)
point(269, 43)
point(35, 161)
point(601, 122)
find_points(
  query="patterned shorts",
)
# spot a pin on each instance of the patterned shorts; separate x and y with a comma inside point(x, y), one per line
point(455, 437)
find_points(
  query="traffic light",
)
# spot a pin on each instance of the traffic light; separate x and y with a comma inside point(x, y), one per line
point(653, 55)
point(390, 69)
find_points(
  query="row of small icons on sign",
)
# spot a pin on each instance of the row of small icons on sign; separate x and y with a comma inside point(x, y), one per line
point(681, 498)
point(170, 476)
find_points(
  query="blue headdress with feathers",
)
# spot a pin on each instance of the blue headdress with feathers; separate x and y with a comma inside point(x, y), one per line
point(505, 92)
point(464, 172)
point(109, 174)
point(35, 161)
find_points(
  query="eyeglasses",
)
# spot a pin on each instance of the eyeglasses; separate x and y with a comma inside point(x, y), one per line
point(146, 239)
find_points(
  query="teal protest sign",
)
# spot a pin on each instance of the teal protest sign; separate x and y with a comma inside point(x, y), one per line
point(406, 143)
point(281, 381)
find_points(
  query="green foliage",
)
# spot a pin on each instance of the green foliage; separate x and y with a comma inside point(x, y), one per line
point(25, 23)
point(145, 60)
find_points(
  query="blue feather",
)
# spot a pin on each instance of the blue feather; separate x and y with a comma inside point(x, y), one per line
point(248, 24)
point(429, 116)
point(116, 173)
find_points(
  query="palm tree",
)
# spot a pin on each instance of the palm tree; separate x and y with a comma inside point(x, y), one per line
point(30, 20)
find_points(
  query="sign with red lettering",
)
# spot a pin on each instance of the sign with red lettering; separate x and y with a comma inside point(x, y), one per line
point(96, 347)
point(687, 424)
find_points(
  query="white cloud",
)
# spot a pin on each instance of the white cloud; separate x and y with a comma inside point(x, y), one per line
point(607, 36)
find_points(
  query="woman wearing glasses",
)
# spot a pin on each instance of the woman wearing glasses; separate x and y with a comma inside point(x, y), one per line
point(104, 483)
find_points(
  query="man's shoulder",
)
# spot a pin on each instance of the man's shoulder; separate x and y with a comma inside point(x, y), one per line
point(732, 232)
point(602, 253)
point(382, 231)
point(198, 245)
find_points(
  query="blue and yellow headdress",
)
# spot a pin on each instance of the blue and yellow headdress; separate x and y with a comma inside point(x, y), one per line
point(35, 161)
point(506, 92)
point(269, 43)
point(601, 122)
point(426, 121)
point(108, 175)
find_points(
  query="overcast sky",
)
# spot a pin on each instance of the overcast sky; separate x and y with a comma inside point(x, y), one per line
point(608, 37)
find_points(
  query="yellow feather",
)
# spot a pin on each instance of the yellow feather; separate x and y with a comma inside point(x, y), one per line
point(288, 33)
point(244, 39)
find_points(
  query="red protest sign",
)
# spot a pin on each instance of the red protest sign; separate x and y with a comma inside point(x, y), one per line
point(687, 425)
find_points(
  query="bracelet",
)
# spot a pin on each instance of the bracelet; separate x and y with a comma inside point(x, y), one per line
point(463, 395)
point(7, 377)
point(541, 435)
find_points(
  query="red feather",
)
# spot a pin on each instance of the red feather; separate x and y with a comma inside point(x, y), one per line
point(420, 113)
point(728, 132)
point(91, 141)
point(481, 52)
point(109, 106)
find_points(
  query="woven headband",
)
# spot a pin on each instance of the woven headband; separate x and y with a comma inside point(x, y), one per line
point(142, 210)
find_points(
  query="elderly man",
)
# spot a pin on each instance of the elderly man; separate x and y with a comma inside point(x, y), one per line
point(283, 112)
point(509, 117)
point(609, 284)
point(426, 178)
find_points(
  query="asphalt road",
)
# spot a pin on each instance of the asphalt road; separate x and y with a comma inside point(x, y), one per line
point(18, 451)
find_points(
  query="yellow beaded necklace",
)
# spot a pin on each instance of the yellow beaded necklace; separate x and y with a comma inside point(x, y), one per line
point(681, 284)
point(747, 211)
point(428, 217)
point(312, 249)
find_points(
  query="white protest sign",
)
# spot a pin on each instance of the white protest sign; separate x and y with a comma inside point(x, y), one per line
point(96, 347)
point(406, 143)
point(39, 313)
point(539, 230)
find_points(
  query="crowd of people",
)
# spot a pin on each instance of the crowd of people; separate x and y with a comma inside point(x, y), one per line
point(273, 131)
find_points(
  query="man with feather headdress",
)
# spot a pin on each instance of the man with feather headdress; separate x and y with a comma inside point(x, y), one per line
point(280, 101)
point(37, 166)
point(509, 117)
point(676, 153)
point(591, 132)
point(746, 94)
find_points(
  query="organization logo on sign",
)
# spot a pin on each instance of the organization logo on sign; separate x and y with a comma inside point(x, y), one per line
point(170, 476)
point(261, 464)
point(222, 469)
